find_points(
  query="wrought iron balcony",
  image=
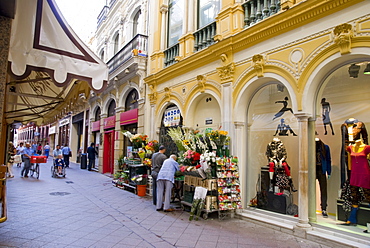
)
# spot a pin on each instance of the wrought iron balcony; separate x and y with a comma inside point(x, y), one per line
point(257, 10)
point(103, 15)
point(139, 42)
point(204, 36)
point(170, 55)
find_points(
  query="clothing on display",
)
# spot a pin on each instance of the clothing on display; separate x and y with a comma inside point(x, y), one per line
point(351, 130)
point(323, 168)
point(279, 168)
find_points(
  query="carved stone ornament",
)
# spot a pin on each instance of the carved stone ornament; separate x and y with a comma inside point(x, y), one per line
point(226, 73)
point(167, 93)
point(342, 37)
point(258, 64)
point(153, 95)
point(201, 83)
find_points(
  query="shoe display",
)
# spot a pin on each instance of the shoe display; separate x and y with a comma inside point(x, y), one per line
point(324, 214)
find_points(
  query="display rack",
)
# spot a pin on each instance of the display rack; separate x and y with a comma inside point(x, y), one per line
point(228, 185)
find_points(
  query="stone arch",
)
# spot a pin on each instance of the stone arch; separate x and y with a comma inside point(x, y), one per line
point(106, 103)
point(163, 106)
point(252, 86)
point(126, 90)
point(94, 109)
point(320, 70)
point(194, 99)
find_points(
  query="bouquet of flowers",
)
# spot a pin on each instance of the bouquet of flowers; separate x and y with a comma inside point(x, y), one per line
point(152, 146)
point(140, 179)
point(139, 140)
point(147, 162)
point(141, 153)
point(219, 137)
point(191, 157)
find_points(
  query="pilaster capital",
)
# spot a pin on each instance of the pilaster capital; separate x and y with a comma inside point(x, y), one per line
point(239, 124)
point(226, 73)
point(301, 116)
point(120, 109)
point(163, 9)
point(102, 116)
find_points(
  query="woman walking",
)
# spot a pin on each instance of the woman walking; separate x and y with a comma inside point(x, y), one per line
point(11, 152)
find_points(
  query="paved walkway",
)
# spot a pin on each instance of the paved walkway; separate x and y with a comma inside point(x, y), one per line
point(85, 210)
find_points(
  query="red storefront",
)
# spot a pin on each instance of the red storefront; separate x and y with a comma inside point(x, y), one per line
point(108, 149)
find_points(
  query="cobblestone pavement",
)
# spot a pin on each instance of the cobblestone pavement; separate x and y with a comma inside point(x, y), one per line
point(85, 210)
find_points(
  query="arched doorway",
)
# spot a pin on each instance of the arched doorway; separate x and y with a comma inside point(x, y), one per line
point(272, 138)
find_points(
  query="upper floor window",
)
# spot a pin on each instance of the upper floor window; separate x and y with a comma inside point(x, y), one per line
point(175, 20)
point(131, 100)
point(102, 54)
point(116, 43)
point(136, 23)
point(97, 114)
point(112, 108)
point(208, 10)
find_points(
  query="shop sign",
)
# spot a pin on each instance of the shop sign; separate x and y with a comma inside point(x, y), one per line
point(129, 117)
point(52, 130)
point(95, 126)
point(209, 121)
point(172, 117)
point(64, 122)
point(110, 122)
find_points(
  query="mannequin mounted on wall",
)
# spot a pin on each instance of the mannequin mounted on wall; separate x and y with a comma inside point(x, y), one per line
point(326, 115)
point(351, 130)
point(360, 177)
point(276, 155)
point(323, 168)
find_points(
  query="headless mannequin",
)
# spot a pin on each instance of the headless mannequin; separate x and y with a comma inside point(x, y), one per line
point(276, 155)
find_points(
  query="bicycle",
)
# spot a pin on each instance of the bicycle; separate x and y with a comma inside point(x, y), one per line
point(35, 169)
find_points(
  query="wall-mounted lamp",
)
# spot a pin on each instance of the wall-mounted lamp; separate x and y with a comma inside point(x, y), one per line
point(367, 69)
point(353, 70)
point(115, 78)
point(127, 71)
point(209, 99)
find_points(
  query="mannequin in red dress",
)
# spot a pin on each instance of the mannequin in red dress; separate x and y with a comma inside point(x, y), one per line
point(360, 176)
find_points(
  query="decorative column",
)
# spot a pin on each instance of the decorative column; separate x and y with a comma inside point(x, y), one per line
point(239, 146)
point(118, 142)
point(152, 118)
point(226, 74)
point(303, 173)
point(311, 171)
point(101, 146)
point(163, 10)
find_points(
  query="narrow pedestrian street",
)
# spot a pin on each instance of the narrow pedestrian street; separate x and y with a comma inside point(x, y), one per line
point(85, 210)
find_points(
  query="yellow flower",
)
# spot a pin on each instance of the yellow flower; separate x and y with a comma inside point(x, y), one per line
point(186, 142)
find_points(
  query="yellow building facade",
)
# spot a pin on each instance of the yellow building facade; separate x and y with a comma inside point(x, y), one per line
point(272, 69)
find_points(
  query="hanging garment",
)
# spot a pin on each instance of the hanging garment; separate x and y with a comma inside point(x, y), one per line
point(360, 173)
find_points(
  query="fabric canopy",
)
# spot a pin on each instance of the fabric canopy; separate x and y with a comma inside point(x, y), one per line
point(41, 40)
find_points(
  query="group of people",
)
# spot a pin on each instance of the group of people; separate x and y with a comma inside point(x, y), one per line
point(26, 151)
point(163, 174)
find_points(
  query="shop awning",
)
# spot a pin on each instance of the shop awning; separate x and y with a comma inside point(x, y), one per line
point(47, 58)
point(129, 117)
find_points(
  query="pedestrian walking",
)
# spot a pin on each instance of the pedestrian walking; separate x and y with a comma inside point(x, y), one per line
point(34, 147)
point(11, 152)
point(20, 149)
point(165, 181)
point(39, 149)
point(157, 161)
point(66, 151)
point(46, 150)
point(27, 153)
point(91, 155)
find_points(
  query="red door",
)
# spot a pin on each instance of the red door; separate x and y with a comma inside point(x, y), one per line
point(108, 152)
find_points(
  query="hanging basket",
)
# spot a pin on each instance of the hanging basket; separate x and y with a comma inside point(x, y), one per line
point(141, 190)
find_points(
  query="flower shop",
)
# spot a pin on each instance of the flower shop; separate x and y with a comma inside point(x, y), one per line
point(208, 180)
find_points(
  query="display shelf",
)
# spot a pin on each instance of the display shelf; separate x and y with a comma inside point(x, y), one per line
point(228, 185)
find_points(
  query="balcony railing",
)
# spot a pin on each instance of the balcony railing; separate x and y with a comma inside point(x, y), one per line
point(170, 54)
point(139, 42)
point(257, 10)
point(112, 2)
point(103, 15)
point(204, 37)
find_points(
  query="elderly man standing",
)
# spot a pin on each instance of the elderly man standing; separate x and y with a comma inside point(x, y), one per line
point(165, 181)
point(157, 161)
point(27, 153)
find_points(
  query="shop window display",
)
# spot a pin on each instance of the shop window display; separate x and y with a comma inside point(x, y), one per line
point(344, 106)
point(272, 149)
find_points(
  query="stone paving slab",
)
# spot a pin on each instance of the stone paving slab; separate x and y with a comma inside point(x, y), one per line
point(85, 210)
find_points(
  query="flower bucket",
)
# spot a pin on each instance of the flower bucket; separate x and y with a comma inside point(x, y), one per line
point(141, 190)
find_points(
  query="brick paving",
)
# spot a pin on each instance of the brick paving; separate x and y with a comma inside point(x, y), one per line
point(85, 210)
